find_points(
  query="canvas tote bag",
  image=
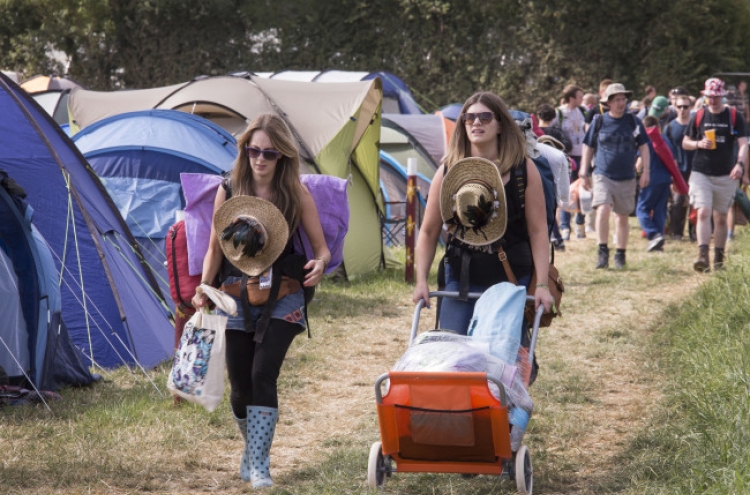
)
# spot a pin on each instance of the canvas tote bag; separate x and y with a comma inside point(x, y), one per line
point(197, 373)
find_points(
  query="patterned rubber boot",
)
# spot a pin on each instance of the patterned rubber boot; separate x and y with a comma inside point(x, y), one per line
point(261, 426)
point(245, 462)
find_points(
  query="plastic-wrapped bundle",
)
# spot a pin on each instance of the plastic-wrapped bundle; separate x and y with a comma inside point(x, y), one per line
point(445, 351)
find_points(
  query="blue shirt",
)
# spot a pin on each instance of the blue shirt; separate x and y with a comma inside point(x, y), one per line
point(657, 170)
point(674, 134)
point(616, 145)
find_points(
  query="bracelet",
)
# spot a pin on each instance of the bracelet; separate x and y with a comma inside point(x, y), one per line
point(205, 282)
point(325, 263)
point(542, 285)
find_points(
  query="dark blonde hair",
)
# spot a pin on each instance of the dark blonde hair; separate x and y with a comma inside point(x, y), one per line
point(511, 144)
point(287, 192)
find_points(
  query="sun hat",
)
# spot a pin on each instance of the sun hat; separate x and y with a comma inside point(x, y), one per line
point(616, 89)
point(551, 141)
point(714, 87)
point(252, 233)
point(658, 106)
point(472, 202)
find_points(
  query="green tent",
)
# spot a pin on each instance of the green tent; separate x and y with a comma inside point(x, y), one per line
point(337, 127)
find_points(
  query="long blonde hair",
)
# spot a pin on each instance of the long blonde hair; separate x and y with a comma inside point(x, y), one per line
point(286, 193)
point(511, 145)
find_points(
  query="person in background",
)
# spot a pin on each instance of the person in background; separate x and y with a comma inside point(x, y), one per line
point(601, 106)
point(661, 110)
point(572, 120)
point(546, 114)
point(715, 170)
point(674, 132)
point(266, 177)
point(590, 100)
point(616, 141)
point(651, 207)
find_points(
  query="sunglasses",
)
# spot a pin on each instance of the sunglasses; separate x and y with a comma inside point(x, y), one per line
point(484, 117)
point(683, 107)
point(269, 155)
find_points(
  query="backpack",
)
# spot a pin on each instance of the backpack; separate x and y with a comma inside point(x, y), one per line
point(732, 120)
point(561, 115)
point(181, 284)
point(545, 171)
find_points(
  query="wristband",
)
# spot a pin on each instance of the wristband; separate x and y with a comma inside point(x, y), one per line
point(542, 285)
point(205, 282)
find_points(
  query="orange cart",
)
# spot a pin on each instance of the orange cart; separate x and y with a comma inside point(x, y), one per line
point(446, 422)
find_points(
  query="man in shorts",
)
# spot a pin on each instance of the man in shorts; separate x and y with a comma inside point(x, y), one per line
point(616, 138)
point(717, 165)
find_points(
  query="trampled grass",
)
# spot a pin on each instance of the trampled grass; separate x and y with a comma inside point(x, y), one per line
point(643, 389)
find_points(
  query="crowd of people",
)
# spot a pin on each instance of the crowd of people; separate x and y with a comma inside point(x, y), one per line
point(675, 162)
point(655, 158)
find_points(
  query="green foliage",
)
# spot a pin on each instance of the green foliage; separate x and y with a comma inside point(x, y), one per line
point(444, 49)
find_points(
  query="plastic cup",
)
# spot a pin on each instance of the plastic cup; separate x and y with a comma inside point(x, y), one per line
point(711, 136)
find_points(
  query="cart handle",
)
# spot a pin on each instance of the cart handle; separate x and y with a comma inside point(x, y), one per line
point(476, 295)
point(490, 378)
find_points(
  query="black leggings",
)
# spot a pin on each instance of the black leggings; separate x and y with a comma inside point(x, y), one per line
point(254, 368)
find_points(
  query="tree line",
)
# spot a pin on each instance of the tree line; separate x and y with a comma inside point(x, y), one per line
point(525, 50)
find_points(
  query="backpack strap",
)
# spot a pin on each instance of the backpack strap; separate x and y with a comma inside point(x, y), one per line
point(732, 119)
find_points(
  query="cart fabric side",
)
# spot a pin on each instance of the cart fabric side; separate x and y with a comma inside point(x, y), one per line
point(447, 422)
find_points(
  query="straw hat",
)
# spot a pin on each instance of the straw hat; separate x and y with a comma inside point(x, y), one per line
point(472, 202)
point(252, 233)
point(551, 141)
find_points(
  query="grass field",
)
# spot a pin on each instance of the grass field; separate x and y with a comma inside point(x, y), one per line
point(643, 389)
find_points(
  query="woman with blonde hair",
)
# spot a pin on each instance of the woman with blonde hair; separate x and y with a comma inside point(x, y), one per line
point(257, 210)
point(485, 131)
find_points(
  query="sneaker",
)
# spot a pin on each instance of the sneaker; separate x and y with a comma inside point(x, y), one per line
point(619, 261)
point(656, 243)
point(559, 245)
point(603, 258)
point(590, 229)
point(565, 234)
point(580, 232)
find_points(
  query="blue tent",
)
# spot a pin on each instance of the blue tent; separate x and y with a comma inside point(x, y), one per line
point(111, 303)
point(33, 336)
point(139, 157)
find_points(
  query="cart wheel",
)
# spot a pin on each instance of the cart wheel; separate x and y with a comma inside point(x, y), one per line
point(376, 466)
point(524, 471)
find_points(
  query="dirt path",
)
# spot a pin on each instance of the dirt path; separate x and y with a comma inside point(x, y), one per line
point(594, 385)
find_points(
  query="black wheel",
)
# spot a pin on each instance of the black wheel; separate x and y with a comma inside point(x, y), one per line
point(524, 471)
point(376, 466)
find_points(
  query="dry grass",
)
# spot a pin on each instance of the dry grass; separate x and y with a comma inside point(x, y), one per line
point(594, 388)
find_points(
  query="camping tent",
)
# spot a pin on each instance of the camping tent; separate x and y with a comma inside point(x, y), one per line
point(337, 127)
point(34, 342)
point(139, 157)
point(397, 97)
point(425, 133)
point(393, 183)
point(111, 304)
point(55, 103)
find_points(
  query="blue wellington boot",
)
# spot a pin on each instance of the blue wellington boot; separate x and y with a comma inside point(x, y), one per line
point(245, 462)
point(261, 426)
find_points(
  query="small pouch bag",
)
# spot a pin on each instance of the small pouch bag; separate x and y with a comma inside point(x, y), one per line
point(257, 296)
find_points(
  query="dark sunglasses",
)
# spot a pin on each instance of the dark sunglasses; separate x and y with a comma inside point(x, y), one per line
point(484, 117)
point(683, 107)
point(269, 155)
